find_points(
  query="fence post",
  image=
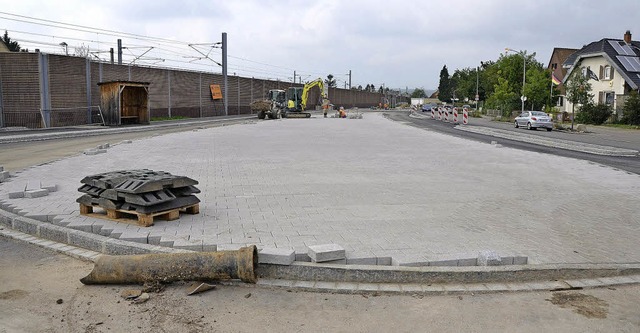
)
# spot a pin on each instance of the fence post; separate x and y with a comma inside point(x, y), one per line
point(169, 88)
point(200, 90)
point(88, 74)
point(45, 97)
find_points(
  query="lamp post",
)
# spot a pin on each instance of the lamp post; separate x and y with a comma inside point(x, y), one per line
point(524, 72)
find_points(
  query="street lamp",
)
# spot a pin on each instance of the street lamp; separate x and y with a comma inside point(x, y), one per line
point(524, 72)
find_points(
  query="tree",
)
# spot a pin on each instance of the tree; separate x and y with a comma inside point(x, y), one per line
point(82, 51)
point(578, 91)
point(538, 88)
point(418, 93)
point(372, 88)
point(330, 81)
point(444, 88)
point(13, 46)
point(359, 87)
point(631, 109)
point(503, 97)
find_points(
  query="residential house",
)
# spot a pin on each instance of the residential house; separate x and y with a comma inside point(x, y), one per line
point(558, 57)
point(612, 67)
point(3, 47)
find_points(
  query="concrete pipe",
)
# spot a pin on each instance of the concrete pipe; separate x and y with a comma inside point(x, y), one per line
point(169, 267)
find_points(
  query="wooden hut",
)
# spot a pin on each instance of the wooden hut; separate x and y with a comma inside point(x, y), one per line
point(124, 102)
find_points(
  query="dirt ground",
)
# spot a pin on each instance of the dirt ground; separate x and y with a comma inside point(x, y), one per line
point(40, 292)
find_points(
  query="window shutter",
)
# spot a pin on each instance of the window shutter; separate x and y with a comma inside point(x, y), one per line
point(600, 97)
point(601, 72)
point(611, 71)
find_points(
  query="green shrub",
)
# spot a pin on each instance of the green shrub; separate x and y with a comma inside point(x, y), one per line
point(631, 110)
point(595, 114)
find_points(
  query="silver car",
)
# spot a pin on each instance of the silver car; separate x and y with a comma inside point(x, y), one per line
point(533, 120)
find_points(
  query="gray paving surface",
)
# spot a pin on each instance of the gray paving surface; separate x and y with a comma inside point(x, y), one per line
point(379, 189)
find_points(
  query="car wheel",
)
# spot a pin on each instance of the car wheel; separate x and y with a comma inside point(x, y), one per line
point(529, 126)
point(515, 123)
point(548, 129)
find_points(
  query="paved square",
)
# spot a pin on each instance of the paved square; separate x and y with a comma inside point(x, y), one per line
point(378, 188)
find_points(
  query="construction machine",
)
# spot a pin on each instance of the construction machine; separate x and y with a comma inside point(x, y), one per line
point(297, 99)
point(273, 106)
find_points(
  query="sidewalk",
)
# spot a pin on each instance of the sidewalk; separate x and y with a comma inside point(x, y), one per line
point(387, 193)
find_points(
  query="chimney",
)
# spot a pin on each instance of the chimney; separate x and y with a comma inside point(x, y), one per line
point(627, 37)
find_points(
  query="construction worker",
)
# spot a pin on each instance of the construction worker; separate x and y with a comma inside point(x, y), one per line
point(325, 106)
point(343, 114)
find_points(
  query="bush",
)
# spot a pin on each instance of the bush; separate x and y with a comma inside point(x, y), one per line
point(595, 114)
point(631, 110)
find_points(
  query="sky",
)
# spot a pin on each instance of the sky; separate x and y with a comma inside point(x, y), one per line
point(397, 44)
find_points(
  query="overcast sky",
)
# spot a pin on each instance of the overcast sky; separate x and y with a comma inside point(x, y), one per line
point(396, 43)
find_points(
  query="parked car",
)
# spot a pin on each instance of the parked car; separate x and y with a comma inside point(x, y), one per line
point(426, 108)
point(534, 120)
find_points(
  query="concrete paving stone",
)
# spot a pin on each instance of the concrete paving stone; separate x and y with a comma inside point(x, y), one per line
point(468, 262)
point(209, 247)
point(453, 262)
point(368, 287)
point(81, 225)
point(412, 287)
point(520, 260)
point(346, 286)
point(32, 194)
point(383, 261)
point(4, 175)
point(389, 287)
point(16, 195)
point(489, 258)
point(585, 283)
point(496, 286)
point(188, 244)
point(304, 257)
point(506, 260)
point(362, 261)
point(333, 262)
point(229, 247)
point(325, 286)
point(326, 252)
point(433, 288)
point(454, 287)
point(32, 185)
point(276, 256)
point(304, 284)
point(49, 187)
point(134, 236)
point(546, 285)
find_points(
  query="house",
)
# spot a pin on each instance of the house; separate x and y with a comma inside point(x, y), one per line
point(3, 47)
point(558, 57)
point(612, 67)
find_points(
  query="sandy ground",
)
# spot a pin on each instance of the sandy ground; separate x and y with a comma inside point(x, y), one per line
point(40, 292)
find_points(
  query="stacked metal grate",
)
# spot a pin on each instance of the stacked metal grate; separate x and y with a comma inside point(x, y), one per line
point(142, 191)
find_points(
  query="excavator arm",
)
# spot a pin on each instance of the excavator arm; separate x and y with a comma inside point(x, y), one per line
point(305, 91)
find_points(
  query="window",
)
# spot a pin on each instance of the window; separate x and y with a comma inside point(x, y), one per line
point(607, 73)
point(609, 97)
point(584, 72)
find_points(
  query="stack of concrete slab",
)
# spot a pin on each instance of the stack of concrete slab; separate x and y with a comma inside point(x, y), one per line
point(138, 192)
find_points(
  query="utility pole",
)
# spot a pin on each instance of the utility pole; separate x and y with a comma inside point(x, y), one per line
point(119, 51)
point(224, 74)
point(294, 77)
point(349, 79)
point(477, 84)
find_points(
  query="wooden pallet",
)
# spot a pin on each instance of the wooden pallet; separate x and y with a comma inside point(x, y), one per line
point(145, 220)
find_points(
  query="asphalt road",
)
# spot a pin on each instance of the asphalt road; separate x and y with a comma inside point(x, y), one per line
point(629, 164)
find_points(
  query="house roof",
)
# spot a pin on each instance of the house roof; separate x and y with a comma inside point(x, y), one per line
point(3, 47)
point(620, 55)
point(562, 53)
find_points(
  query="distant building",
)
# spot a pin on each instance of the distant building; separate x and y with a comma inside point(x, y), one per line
point(558, 72)
point(612, 67)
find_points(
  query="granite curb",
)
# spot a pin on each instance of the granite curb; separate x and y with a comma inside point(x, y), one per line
point(342, 278)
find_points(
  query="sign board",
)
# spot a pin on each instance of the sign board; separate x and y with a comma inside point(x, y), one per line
point(216, 93)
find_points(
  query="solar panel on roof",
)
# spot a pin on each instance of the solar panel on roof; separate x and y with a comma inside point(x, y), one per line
point(631, 64)
point(621, 48)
